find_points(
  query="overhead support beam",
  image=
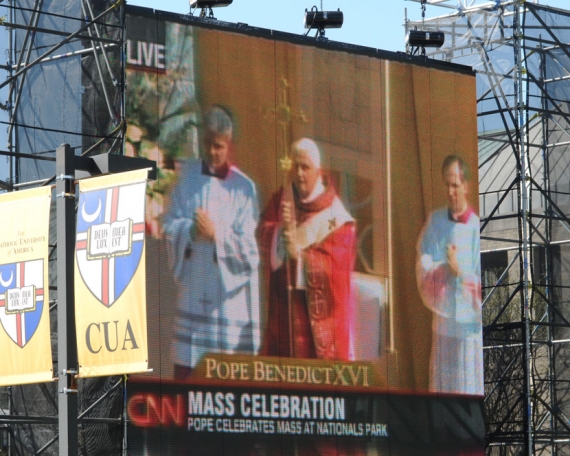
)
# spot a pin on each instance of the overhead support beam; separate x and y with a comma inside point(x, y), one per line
point(62, 56)
point(77, 36)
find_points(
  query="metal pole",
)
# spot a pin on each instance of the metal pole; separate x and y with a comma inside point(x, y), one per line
point(548, 248)
point(524, 175)
point(10, 427)
point(125, 417)
point(66, 338)
point(10, 143)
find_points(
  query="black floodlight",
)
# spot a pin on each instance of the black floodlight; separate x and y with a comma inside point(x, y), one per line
point(323, 19)
point(423, 39)
point(209, 3)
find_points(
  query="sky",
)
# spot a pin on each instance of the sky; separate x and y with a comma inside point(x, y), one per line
point(371, 23)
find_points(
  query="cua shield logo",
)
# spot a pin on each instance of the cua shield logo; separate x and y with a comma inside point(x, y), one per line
point(110, 239)
point(21, 299)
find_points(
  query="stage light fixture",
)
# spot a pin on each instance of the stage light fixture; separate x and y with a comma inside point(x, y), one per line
point(209, 3)
point(321, 20)
point(423, 39)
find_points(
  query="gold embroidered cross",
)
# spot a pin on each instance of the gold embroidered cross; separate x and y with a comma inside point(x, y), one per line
point(285, 116)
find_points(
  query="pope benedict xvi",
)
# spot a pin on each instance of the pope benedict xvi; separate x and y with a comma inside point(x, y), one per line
point(307, 241)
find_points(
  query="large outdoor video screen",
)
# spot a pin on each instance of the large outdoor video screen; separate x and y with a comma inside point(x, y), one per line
point(312, 246)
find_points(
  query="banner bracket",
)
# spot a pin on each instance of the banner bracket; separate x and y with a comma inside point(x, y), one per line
point(65, 195)
point(67, 391)
point(97, 165)
point(69, 372)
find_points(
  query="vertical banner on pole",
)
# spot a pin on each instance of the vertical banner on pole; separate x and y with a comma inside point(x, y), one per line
point(25, 343)
point(110, 294)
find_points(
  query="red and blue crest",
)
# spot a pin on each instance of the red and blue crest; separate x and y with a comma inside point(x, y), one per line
point(21, 299)
point(110, 238)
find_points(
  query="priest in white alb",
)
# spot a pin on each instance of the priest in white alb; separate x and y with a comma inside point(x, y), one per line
point(449, 281)
point(210, 228)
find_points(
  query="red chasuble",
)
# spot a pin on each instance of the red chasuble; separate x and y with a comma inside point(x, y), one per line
point(321, 292)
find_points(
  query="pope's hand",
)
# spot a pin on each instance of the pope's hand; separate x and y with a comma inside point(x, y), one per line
point(289, 231)
point(290, 240)
point(287, 216)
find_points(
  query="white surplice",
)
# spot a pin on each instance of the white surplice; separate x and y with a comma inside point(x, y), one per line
point(456, 364)
point(218, 302)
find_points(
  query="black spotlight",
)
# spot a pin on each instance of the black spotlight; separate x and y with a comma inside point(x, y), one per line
point(321, 20)
point(421, 38)
point(209, 3)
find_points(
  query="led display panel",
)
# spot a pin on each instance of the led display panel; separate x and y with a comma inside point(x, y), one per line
point(313, 277)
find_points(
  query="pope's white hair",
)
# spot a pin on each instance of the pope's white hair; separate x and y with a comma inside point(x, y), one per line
point(308, 147)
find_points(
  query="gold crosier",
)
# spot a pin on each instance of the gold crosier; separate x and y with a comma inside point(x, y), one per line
point(285, 118)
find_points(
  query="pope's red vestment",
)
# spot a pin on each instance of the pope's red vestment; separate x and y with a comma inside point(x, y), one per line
point(320, 279)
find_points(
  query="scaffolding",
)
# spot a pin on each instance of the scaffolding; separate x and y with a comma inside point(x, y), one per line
point(73, 52)
point(520, 53)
